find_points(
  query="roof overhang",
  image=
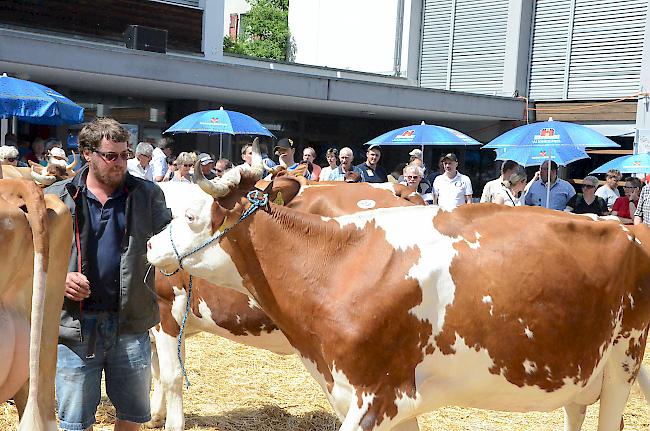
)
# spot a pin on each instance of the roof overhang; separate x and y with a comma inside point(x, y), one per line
point(101, 67)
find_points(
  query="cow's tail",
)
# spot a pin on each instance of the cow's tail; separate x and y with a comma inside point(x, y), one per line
point(32, 197)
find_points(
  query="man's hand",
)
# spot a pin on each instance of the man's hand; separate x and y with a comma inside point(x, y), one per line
point(77, 287)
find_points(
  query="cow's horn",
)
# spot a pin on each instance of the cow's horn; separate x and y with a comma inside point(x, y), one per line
point(69, 167)
point(219, 187)
point(43, 180)
point(257, 166)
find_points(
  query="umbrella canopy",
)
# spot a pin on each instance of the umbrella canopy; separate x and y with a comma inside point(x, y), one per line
point(527, 156)
point(422, 135)
point(634, 164)
point(549, 134)
point(36, 103)
point(219, 121)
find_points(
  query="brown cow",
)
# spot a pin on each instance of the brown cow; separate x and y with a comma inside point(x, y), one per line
point(37, 229)
point(400, 311)
point(234, 315)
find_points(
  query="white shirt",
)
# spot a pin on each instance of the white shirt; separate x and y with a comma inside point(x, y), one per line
point(451, 192)
point(324, 174)
point(491, 189)
point(609, 195)
point(509, 199)
point(158, 163)
point(136, 169)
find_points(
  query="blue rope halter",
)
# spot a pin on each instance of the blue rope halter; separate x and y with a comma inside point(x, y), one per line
point(258, 200)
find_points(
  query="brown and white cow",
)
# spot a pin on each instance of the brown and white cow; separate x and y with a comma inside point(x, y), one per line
point(400, 311)
point(37, 229)
point(232, 314)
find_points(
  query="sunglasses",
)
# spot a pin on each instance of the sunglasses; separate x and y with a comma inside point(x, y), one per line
point(585, 186)
point(630, 187)
point(411, 177)
point(188, 165)
point(11, 159)
point(112, 156)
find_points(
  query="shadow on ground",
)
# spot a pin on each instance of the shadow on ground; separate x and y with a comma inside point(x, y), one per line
point(265, 418)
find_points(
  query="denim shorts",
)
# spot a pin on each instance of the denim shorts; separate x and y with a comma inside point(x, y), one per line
point(126, 362)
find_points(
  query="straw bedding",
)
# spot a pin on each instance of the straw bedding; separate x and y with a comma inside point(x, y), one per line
point(237, 388)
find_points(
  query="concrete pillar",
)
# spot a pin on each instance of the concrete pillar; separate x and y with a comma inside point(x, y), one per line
point(642, 135)
point(517, 52)
point(413, 40)
point(213, 11)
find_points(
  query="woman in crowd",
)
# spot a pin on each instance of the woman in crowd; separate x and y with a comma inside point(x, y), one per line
point(512, 190)
point(332, 156)
point(37, 154)
point(9, 155)
point(587, 202)
point(413, 175)
point(625, 206)
point(184, 162)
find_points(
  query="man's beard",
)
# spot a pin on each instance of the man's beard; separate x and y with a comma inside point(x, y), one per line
point(113, 177)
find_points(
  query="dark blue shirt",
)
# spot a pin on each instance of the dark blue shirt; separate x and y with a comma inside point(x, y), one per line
point(369, 175)
point(104, 249)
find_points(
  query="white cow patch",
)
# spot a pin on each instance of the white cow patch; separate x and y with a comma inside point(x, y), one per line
point(528, 332)
point(304, 188)
point(366, 204)
point(436, 253)
point(7, 224)
point(488, 300)
point(252, 304)
point(530, 367)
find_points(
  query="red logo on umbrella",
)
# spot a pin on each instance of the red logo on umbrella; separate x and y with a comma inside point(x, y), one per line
point(637, 163)
point(542, 153)
point(547, 132)
point(408, 133)
point(214, 120)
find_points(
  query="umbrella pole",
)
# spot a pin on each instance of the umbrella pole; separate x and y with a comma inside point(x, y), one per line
point(4, 125)
point(548, 181)
point(220, 145)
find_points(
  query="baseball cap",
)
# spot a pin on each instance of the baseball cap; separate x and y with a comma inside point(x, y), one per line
point(205, 158)
point(416, 153)
point(374, 146)
point(284, 143)
point(58, 153)
point(450, 156)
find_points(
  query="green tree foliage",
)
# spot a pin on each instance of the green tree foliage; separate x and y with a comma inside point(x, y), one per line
point(265, 31)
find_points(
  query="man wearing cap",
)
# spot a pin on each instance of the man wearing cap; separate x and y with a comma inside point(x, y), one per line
point(560, 191)
point(370, 170)
point(285, 150)
point(415, 154)
point(452, 188)
point(140, 165)
point(207, 165)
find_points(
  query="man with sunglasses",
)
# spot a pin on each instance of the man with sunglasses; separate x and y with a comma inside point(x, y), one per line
point(109, 302)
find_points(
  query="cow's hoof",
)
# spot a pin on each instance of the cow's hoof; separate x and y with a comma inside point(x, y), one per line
point(155, 422)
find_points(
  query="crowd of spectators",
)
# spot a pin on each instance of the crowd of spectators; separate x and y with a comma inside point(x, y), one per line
point(444, 186)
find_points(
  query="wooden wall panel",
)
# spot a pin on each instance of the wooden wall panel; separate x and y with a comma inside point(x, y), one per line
point(586, 111)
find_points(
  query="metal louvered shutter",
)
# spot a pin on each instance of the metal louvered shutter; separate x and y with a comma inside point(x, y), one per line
point(548, 55)
point(479, 46)
point(434, 53)
point(606, 48)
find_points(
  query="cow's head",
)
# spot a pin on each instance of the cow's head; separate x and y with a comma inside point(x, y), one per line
point(200, 217)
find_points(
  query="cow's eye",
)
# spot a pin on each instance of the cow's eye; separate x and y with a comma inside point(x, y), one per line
point(189, 216)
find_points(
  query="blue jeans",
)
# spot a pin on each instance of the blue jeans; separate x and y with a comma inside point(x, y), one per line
point(126, 362)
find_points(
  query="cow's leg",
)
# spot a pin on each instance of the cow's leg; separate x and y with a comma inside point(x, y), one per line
point(574, 416)
point(171, 379)
point(644, 382)
point(158, 407)
point(618, 377)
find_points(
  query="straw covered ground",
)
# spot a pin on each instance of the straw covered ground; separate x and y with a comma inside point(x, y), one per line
point(237, 388)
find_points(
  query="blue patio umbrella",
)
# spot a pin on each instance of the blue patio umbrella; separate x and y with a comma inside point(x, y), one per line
point(219, 122)
point(558, 141)
point(527, 156)
point(36, 103)
point(422, 135)
point(633, 164)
